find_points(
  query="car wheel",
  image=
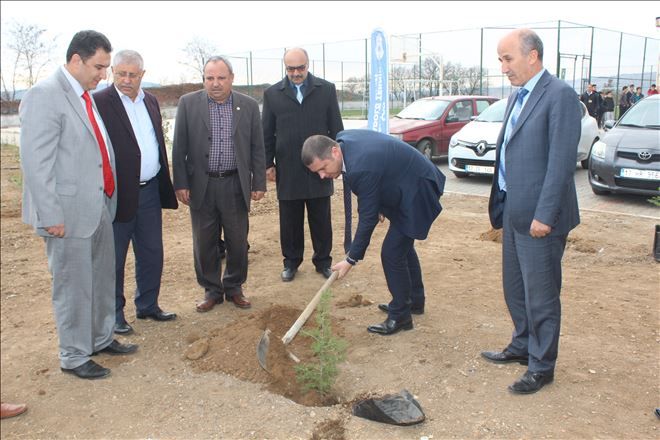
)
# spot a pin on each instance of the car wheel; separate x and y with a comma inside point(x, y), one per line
point(426, 148)
point(585, 162)
point(459, 174)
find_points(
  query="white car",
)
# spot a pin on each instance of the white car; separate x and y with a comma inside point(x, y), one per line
point(472, 149)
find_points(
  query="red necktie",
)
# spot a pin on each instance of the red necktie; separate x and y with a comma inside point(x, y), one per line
point(108, 180)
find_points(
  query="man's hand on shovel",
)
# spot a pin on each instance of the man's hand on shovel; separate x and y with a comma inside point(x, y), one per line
point(343, 267)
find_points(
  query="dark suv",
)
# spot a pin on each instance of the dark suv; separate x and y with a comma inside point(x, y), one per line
point(429, 123)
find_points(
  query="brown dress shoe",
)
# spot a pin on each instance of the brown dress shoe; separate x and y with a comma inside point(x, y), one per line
point(206, 305)
point(241, 301)
point(11, 410)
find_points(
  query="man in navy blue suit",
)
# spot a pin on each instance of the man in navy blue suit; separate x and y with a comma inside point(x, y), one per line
point(533, 199)
point(393, 180)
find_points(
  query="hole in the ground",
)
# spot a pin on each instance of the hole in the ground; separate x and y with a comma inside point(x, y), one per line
point(232, 350)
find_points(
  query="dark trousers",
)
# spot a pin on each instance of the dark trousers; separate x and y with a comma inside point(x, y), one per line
point(531, 274)
point(403, 274)
point(145, 231)
point(292, 231)
point(223, 207)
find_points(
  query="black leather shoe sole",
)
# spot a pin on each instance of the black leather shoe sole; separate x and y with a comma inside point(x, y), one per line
point(415, 311)
point(88, 370)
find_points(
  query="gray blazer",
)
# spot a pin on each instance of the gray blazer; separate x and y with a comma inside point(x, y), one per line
point(61, 161)
point(192, 142)
point(540, 160)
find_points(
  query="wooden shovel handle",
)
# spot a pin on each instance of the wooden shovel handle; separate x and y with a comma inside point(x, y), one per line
point(295, 328)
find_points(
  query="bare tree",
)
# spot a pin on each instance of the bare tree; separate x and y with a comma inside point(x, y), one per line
point(197, 51)
point(31, 52)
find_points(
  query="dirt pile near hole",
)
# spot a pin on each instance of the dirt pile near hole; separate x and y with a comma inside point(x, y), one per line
point(232, 350)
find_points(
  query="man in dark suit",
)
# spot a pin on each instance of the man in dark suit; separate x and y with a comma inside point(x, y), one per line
point(297, 107)
point(393, 180)
point(533, 198)
point(218, 161)
point(69, 198)
point(132, 117)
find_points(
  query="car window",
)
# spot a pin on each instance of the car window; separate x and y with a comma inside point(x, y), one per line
point(645, 113)
point(424, 109)
point(494, 113)
point(460, 112)
point(482, 105)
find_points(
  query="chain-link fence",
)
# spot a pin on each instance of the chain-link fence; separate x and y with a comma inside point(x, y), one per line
point(463, 62)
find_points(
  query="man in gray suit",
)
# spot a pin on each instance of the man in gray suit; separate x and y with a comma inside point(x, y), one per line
point(218, 161)
point(69, 198)
point(533, 198)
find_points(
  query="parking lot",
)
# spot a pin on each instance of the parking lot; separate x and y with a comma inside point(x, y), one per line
point(617, 204)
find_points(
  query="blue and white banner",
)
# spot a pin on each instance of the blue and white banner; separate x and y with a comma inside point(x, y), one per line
point(379, 103)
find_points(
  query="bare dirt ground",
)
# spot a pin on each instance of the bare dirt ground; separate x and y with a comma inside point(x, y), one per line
point(606, 382)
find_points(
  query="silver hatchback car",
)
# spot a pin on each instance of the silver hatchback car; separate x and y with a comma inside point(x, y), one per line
point(627, 159)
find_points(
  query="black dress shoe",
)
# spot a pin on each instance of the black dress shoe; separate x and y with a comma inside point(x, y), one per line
point(88, 370)
point(390, 326)
point(117, 347)
point(505, 357)
point(123, 328)
point(325, 271)
point(157, 315)
point(288, 274)
point(414, 310)
point(531, 382)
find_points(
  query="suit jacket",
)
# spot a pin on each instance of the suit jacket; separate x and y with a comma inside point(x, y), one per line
point(287, 123)
point(127, 152)
point(392, 178)
point(61, 161)
point(192, 143)
point(540, 160)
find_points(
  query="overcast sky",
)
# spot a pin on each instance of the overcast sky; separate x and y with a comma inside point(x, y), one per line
point(159, 30)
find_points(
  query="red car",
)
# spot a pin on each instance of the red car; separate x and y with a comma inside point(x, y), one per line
point(429, 123)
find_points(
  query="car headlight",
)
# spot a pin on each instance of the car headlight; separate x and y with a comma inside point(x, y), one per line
point(398, 136)
point(598, 150)
point(453, 142)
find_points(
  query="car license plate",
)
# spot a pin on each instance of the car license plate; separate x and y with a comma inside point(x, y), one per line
point(479, 169)
point(633, 173)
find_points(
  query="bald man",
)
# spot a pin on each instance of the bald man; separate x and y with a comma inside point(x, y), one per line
point(533, 199)
point(299, 106)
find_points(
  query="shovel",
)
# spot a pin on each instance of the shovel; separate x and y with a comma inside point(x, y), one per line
point(264, 342)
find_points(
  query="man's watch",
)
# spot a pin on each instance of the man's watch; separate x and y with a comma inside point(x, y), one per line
point(351, 261)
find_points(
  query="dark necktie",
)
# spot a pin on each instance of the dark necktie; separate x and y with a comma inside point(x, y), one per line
point(108, 180)
point(348, 214)
point(518, 107)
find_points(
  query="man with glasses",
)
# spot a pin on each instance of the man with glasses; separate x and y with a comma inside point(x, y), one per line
point(299, 106)
point(144, 187)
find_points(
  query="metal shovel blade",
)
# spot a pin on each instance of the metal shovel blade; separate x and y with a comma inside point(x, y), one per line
point(262, 349)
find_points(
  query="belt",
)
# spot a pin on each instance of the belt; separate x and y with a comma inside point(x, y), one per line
point(146, 182)
point(222, 173)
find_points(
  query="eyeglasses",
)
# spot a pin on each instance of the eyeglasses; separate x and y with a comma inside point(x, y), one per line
point(130, 75)
point(302, 68)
